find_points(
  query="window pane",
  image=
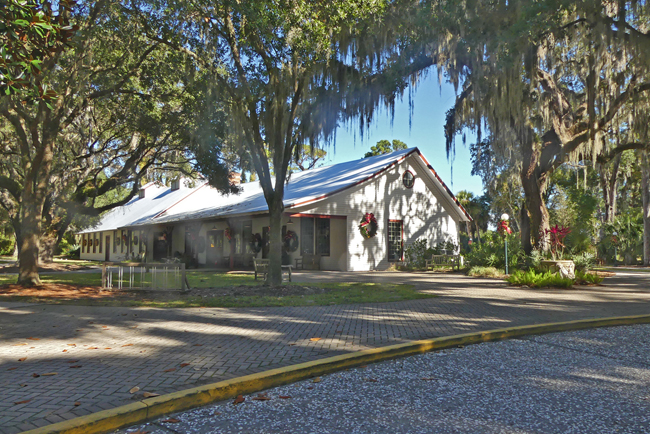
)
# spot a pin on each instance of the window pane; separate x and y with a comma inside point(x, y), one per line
point(323, 237)
point(307, 236)
point(394, 241)
point(247, 232)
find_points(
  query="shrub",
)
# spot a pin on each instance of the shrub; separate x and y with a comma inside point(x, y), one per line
point(583, 278)
point(491, 252)
point(484, 272)
point(535, 279)
point(6, 245)
point(72, 251)
point(584, 261)
point(417, 253)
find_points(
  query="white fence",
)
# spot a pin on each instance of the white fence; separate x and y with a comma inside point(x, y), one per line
point(150, 276)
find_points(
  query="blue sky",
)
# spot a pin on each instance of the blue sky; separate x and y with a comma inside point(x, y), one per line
point(430, 106)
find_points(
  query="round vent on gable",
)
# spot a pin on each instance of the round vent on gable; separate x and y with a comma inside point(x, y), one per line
point(408, 179)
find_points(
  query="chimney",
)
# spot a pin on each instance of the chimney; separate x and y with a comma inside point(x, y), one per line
point(176, 184)
point(234, 178)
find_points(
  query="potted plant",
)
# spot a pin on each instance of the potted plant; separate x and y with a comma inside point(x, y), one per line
point(557, 264)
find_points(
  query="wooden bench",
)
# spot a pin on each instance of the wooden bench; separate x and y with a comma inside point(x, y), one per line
point(444, 261)
point(308, 262)
point(262, 268)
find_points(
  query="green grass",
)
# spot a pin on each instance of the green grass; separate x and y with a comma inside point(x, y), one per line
point(338, 293)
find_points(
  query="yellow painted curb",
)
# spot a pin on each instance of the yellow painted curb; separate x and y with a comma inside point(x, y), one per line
point(120, 417)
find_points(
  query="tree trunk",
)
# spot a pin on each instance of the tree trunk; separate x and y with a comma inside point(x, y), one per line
point(274, 276)
point(526, 243)
point(645, 193)
point(608, 182)
point(533, 181)
point(30, 241)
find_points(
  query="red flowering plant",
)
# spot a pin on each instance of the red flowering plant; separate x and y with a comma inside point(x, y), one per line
point(228, 233)
point(556, 237)
point(368, 225)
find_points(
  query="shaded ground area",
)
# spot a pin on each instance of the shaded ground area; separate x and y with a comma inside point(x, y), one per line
point(101, 353)
point(58, 266)
point(590, 381)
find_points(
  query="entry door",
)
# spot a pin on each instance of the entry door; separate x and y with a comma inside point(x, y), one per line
point(107, 255)
point(214, 249)
point(265, 242)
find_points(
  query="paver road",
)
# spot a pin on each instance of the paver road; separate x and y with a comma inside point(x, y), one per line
point(100, 353)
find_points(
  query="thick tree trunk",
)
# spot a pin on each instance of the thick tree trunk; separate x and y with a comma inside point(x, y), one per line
point(30, 241)
point(645, 193)
point(533, 181)
point(274, 277)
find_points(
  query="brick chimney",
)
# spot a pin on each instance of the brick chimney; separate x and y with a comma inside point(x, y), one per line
point(234, 178)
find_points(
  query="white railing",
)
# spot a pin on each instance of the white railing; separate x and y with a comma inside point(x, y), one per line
point(151, 276)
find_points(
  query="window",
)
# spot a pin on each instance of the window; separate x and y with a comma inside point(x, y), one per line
point(323, 237)
point(307, 236)
point(246, 234)
point(408, 179)
point(114, 241)
point(395, 233)
point(94, 240)
point(314, 236)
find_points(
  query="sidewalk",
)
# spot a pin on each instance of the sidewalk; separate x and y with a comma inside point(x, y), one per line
point(100, 353)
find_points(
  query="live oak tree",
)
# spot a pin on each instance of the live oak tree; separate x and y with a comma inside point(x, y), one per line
point(385, 147)
point(287, 73)
point(117, 114)
point(551, 83)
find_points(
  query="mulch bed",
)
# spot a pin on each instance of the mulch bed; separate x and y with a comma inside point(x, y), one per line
point(60, 291)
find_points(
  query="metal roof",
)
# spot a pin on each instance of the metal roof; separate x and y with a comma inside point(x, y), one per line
point(161, 205)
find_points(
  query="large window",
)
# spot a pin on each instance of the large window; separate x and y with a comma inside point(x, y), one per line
point(395, 243)
point(307, 236)
point(246, 234)
point(314, 236)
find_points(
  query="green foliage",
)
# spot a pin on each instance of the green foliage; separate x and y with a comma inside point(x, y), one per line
point(491, 252)
point(584, 261)
point(72, 251)
point(417, 253)
point(628, 240)
point(484, 272)
point(583, 278)
point(385, 147)
point(6, 244)
point(534, 279)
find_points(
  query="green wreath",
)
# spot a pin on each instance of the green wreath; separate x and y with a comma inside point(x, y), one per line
point(291, 241)
point(255, 243)
point(135, 240)
point(368, 225)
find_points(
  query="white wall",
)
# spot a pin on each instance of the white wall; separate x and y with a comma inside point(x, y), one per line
point(421, 208)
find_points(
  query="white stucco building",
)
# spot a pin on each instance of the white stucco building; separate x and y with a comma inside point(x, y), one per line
point(323, 208)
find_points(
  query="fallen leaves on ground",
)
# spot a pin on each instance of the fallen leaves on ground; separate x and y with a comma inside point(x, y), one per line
point(316, 380)
point(371, 380)
point(134, 389)
point(170, 370)
point(127, 345)
point(284, 397)
point(22, 402)
point(73, 361)
point(261, 397)
point(239, 399)
point(150, 394)
point(171, 420)
point(18, 345)
point(12, 369)
point(198, 345)
point(22, 359)
point(72, 345)
point(35, 375)
point(184, 365)
point(428, 378)
point(75, 366)
point(77, 404)
point(49, 374)
point(315, 339)
point(34, 339)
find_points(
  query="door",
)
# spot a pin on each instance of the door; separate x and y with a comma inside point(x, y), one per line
point(214, 249)
point(107, 255)
point(265, 242)
point(159, 246)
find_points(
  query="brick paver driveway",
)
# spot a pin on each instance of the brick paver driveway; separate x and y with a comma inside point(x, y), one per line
point(100, 353)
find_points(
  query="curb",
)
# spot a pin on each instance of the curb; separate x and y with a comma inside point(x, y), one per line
point(124, 416)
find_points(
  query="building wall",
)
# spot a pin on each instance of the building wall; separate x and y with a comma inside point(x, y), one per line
point(421, 209)
point(121, 252)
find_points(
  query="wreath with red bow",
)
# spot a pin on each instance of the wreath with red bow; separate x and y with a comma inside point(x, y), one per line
point(228, 233)
point(291, 241)
point(255, 243)
point(504, 227)
point(368, 225)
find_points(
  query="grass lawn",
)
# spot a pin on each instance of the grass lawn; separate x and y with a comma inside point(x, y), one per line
point(326, 293)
